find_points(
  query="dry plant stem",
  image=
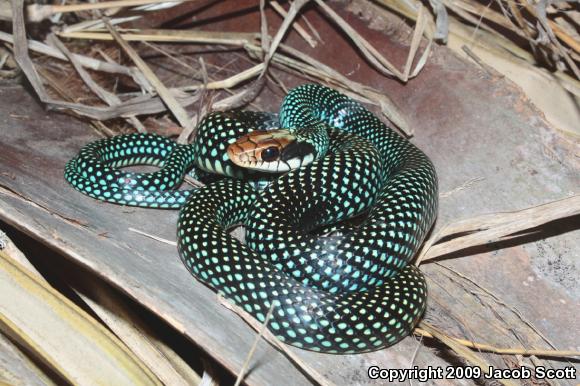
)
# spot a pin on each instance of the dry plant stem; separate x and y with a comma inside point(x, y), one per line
point(178, 111)
point(249, 94)
point(485, 12)
point(490, 70)
point(101, 129)
point(466, 9)
point(476, 21)
point(498, 301)
point(279, 83)
point(265, 36)
point(498, 350)
point(170, 36)
point(545, 23)
point(95, 24)
point(103, 94)
point(301, 31)
point(107, 97)
point(496, 227)
point(561, 34)
point(140, 105)
point(415, 41)
point(156, 238)
point(25, 63)
point(38, 12)
point(21, 51)
point(403, 8)
point(311, 28)
point(415, 353)
point(310, 66)
point(230, 82)
point(170, 56)
point(521, 22)
point(85, 61)
point(292, 12)
point(441, 306)
point(187, 132)
point(462, 351)
point(379, 61)
point(270, 338)
point(246, 364)
point(550, 26)
point(223, 84)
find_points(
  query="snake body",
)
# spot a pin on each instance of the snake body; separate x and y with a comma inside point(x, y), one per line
point(330, 283)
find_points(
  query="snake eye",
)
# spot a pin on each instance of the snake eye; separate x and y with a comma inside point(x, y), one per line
point(270, 154)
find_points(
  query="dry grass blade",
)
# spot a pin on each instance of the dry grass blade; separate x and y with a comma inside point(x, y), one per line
point(301, 31)
point(309, 65)
point(153, 237)
point(264, 36)
point(170, 36)
point(463, 352)
point(483, 11)
point(230, 82)
point(306, 65)
point(415, 41)
point(25, 63)
point(375, 57)
point(270, 338)
point(107, 97)
point(496, 227)
point(463, 279)
point(95, 24)
point(141, 105)
point(246, 364)
point(176, 108)
point(145, 104)
point(85, 61)
point(498, 350)
point(204, 107)
point(38, 12)
point(244, 97)
point(21, 50)
point(540, 14)
point(103, 94)
point(292, 12)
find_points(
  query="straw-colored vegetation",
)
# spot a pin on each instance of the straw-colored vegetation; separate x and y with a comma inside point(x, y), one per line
point(541, 33)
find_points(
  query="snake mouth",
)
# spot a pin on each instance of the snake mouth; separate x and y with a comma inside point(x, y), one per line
point(272, 151)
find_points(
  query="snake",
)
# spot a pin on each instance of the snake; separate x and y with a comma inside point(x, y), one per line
point(334, 202)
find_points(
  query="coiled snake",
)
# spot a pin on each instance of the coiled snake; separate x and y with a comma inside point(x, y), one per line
point(328, 241)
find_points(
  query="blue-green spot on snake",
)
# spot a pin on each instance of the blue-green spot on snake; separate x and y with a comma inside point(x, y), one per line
point(336, 285)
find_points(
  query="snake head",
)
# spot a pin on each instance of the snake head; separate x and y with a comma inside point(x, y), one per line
point(272, 151)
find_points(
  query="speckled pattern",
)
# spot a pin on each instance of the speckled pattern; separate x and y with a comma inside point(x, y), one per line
point(348, 291)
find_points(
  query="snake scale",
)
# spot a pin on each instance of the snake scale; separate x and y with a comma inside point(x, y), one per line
point(334, 203)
